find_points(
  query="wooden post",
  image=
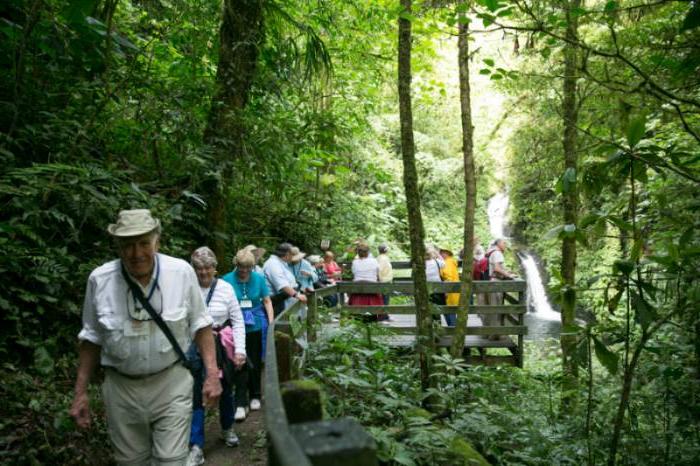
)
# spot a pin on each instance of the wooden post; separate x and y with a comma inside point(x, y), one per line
point(302, 401)
point(521, 321)
point(311, 316)
point(337, 442)
point(283, 346)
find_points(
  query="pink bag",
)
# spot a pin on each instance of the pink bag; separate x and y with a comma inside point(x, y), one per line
point(226, 336)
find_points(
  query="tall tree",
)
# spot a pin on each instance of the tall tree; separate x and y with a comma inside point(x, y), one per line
point(241, 35)
point(465, 289)
point(424, 319)
point(570, 200)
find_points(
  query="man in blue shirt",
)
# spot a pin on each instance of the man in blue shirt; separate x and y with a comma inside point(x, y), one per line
point(280, 278)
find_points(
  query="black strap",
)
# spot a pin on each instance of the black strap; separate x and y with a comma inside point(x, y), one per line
point(211, 291)
point(138, 293)
point(437, 264)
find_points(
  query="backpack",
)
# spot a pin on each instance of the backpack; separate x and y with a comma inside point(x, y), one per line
point(480, 269)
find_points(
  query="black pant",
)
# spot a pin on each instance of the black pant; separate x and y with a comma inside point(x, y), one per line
point(247, 380)
point(440, 300)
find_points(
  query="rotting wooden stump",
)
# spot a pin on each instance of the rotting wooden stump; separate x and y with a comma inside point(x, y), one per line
point(283, 347)
point(336, 442)
point(302, 401)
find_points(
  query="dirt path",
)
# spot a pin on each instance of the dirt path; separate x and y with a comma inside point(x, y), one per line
point(251, 450)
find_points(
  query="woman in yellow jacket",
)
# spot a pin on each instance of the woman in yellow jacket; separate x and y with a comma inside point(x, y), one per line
point(450, 273)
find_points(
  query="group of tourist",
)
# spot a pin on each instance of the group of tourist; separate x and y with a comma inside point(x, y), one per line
point(175, 339)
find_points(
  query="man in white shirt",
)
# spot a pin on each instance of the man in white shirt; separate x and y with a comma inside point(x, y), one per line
point(147, 390)
point(497, 271)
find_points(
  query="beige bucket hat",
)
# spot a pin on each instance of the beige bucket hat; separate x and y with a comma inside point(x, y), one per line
point(133, 222)
point(297, 255)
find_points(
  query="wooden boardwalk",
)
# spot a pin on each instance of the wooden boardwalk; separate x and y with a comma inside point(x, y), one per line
point(477, 348)
point(482, 344)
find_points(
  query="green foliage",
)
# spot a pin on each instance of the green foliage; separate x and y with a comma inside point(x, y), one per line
point(36, 428)
point(504, 415)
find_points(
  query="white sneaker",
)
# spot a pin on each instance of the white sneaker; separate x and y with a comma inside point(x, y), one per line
point(254, 404)
point(230, 438)
point(196, 456)
point(240, 414)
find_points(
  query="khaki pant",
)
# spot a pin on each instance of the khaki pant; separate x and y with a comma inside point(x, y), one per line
point(494, 299)
point(149, 419)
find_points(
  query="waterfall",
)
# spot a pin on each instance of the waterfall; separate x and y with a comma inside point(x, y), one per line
point(536, 295)
point(496, 210)
point(542, 320)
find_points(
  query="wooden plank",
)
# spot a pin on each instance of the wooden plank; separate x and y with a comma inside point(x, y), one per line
point(470, 341)
point(311, 316)
point(435, 287)
point(327, 291)
point(491, 330)
point(522, 300)
point(478, 341)
point(503, 309)
point(410, 309)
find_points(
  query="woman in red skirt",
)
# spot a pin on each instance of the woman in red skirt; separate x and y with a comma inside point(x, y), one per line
point(365, 269)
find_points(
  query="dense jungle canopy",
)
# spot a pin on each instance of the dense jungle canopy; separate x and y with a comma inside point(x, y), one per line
point(261, 121)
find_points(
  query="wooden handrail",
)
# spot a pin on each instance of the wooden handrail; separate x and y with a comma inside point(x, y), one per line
point(479, 286)
point(284, 448)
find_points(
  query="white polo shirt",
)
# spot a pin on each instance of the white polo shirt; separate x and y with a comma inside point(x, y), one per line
point(224, 306)
point(111, 315)
point(496, 257)
point(432, 269)
point(365, 269)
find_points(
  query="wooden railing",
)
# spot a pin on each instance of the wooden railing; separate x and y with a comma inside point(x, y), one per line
point(297, 434)
point(511, 312)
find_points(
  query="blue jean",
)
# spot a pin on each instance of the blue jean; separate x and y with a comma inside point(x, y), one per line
point(225, 402)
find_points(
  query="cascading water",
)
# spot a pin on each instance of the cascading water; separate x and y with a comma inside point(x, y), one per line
point(542, 321)
point(536, 296)
point(496, 210)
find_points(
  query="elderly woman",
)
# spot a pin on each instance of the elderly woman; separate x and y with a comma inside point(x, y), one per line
point(225, 311)
point(333, 271)
point(450, 273)
point(304, 273)
point(323, 281)
point(365, 269)
point(254, 295)
point(258, 253)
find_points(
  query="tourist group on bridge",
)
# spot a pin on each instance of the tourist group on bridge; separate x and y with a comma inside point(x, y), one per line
point(174, 338)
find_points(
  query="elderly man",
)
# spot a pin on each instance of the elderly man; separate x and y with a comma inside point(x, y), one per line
point(280, 279)
point(497, 271)
point(147, 389)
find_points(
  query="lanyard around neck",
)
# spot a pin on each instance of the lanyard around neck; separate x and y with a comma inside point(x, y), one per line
point(155, 282)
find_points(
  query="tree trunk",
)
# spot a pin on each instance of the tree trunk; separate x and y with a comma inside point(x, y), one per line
point(415, 220)
point(241, 35)
point(465, 290)
point(570, 207)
